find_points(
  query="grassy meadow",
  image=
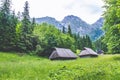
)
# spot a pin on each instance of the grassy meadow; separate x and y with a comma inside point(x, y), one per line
point(15, 67)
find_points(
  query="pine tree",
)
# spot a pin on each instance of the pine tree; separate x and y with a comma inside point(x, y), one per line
point(26, 24)
point(19, 16)
point(8, 22)
point(88, 42)
point(76, 40)
point(81, 43)
point(69, 30)
point(63, 29)
point(99, 45)
point(26, 40)
point(33, 24)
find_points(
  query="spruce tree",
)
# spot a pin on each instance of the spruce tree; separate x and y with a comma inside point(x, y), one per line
point(63, 29)
point(26, 24)
point(100, 45)
point(8, 22)
point(33, 24)
point(25, 43)
point(88, 42)
point(76, 41)
point(69, 30)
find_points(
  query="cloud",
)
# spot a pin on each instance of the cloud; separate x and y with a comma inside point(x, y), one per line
point(88, 10)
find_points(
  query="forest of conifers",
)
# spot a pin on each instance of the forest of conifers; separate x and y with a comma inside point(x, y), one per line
point(20, 33)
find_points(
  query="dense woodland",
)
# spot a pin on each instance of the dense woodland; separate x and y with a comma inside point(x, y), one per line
point(112, 25)
point(21, 33)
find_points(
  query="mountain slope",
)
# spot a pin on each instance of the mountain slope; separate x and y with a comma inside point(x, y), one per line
point(49, 20)
point(96, 29)
point(77, 25)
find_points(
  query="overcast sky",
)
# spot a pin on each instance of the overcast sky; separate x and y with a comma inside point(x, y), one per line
point(87, 10)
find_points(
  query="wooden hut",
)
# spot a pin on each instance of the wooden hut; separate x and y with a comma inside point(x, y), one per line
point(87, 52)
point(62, 53)
point(100, 52)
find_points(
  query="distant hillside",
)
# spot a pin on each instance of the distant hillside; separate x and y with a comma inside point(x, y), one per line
point(77, 25)
point(96, 29)
point(49, 20)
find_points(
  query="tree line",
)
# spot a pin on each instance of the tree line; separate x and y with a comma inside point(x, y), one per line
point(15, 31)
point(21, 33)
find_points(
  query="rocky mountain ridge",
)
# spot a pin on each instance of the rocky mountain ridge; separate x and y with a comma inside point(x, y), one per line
point(77, 25)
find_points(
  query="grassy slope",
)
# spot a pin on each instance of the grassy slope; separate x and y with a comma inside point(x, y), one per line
point(14, 67)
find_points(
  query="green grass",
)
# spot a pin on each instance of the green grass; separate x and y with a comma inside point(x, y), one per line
point(14, 67)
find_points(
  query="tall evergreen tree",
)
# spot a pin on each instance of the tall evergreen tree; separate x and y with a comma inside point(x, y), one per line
point(76, 40)
point(69, 30)
point(19, 16)
point(100, 45)
point(88, 42)
point(112, 25)
point(7, 25)
point(83, 41)
point(26, 40)
point(63, 29)
point(26, 24)
point(33, 24)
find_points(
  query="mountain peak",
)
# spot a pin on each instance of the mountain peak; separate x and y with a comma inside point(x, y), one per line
point(73, 17)
point(77, 25)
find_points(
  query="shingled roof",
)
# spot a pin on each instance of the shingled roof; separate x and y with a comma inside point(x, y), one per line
point(62, 53)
